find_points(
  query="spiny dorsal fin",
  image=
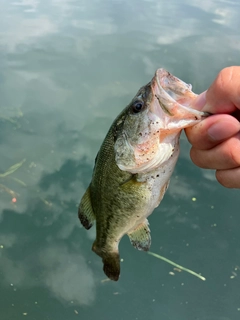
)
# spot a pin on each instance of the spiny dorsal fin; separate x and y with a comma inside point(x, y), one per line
point(85, 211)
point(140, 237)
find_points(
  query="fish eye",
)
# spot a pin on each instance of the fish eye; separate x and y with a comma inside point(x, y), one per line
point(137, 106)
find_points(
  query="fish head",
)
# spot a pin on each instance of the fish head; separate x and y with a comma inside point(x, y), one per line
point(148, 130)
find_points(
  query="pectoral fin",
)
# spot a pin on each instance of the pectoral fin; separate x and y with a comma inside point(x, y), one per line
point(140, 237)
point(85, 211)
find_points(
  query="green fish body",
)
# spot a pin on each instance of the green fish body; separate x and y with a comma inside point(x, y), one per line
point(134, 165)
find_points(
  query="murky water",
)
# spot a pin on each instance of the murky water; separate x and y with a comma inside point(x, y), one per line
point(66, 70)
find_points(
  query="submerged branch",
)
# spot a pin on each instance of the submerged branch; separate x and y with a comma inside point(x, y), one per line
point(177, 265)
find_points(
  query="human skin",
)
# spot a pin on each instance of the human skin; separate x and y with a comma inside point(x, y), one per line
point(216, 140)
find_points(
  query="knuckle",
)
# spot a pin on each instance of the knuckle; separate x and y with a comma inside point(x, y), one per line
point(197, 158)
point(223, 179)
point(234, 156)
point(229, 178)
point(193, 156)
point(224, 78)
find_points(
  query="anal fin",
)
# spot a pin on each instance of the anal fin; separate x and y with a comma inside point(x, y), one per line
point(85, 211)
point(140, 237)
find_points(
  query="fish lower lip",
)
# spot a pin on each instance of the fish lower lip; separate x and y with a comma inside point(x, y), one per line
point(206, 114)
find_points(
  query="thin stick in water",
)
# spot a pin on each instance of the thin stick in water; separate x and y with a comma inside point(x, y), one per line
point(176, 265)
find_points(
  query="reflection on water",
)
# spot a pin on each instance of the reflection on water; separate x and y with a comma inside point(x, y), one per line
point(61, 272)
point(66, 70)
point(67, 275)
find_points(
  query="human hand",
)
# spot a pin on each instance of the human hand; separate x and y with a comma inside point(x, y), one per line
point(216, 140)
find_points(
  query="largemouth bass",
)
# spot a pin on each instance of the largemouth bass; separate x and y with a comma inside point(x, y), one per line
point(134, 165)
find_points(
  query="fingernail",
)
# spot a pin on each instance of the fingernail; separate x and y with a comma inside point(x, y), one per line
point(222, 130)
point(200, 101)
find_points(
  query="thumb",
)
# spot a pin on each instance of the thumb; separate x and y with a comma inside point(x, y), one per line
point(223, 96)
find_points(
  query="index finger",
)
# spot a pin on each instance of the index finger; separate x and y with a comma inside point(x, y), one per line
point(210, 132)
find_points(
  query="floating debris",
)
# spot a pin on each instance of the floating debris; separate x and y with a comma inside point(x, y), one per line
point(12, 169)
point(47, 203)
point(11, 113)
point(176, 265)
point(6, 174)
point(9, 191)
point(19, 181)
point(8, 119)
point(105, 280)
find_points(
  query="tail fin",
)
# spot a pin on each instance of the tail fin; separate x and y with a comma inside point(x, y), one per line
point(111, 265)
point(111, 261)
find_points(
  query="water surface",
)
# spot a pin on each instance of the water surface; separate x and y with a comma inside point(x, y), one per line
point(67, 68)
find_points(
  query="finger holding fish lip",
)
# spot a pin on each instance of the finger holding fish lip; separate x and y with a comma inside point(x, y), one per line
point(222, 99)
point(216, 140)
point(224, 156)
point(223, 96)
point(212, 131)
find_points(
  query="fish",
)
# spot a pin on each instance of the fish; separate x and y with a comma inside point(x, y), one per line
point(134, 164)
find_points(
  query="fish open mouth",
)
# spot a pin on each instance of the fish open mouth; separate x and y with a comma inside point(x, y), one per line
point(175, 98)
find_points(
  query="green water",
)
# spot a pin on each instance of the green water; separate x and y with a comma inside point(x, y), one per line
point(67, 68)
